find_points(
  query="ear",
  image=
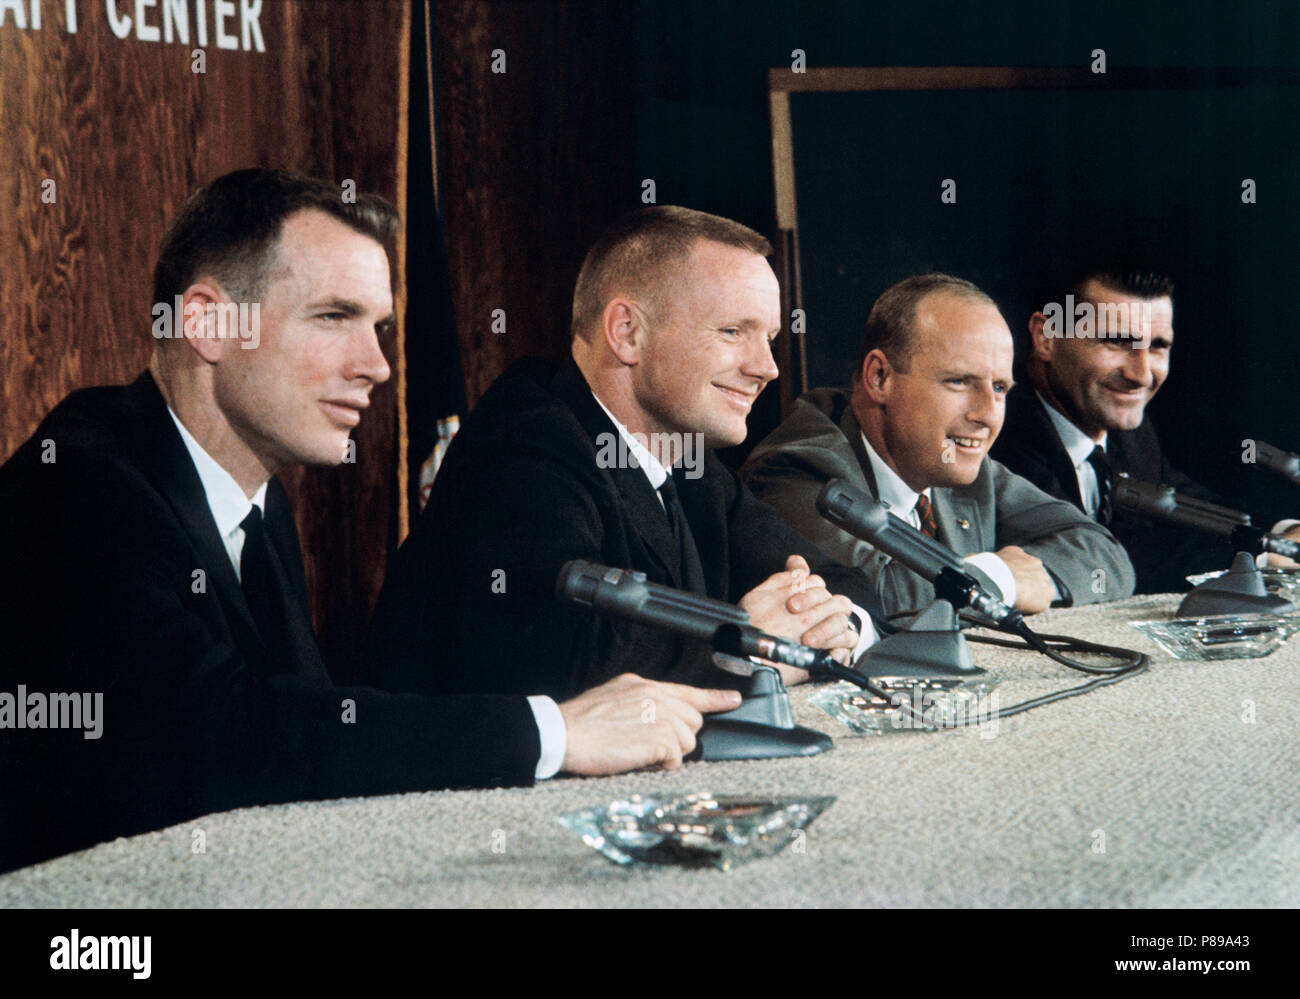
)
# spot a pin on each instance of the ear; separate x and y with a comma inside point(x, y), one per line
point(623, 326)
point(877, 377)
point(1041, 345)
point(199, 320)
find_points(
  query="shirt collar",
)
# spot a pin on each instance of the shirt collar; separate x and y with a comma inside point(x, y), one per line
point(226, 500)
point(654, 471)
point(890, 488)
point(1078, 445)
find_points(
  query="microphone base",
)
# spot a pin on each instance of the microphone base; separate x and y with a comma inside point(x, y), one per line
point(723, 739)
point(1240, 590)
point(761, 728)
point(930, 648)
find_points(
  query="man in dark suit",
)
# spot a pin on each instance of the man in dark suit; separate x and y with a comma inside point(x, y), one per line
point(154, 589)
point(926, 402)
point(605, 457)
point(1095, 361)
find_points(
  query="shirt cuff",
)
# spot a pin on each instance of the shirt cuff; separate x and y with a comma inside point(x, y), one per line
point(554, 736)
point(867, 637)
point(998, 571)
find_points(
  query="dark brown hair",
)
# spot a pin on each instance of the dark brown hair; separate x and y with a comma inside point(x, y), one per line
point(230, 228)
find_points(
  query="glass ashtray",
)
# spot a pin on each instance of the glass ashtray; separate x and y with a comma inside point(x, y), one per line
point(1278, 581)
point(1227, 636)
point(914, 705)
point(697, 830)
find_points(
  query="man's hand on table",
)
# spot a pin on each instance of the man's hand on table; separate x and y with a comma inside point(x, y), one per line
point(1035, 590)
point(631, 723)
point(796, 604)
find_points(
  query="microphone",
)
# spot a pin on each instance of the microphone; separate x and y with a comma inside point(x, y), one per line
point(763, 727)
point(863, 517)
point(1164, 503)
point(726, 627)
point(1276, 460)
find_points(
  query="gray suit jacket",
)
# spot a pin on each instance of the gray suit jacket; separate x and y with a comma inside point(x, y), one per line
point(822, 441)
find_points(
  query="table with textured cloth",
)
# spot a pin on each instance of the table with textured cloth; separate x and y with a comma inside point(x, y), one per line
point(1174, 788)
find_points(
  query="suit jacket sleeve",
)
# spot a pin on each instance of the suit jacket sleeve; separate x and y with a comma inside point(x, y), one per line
point(1162, 553)
point(1081, 553)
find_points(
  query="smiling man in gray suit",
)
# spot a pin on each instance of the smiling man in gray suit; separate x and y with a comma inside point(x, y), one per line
point(927, 401)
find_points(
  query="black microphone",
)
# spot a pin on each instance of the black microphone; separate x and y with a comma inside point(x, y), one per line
point(1284, 463)
point(1165, 503)
point(863, 517)
point(726, 627)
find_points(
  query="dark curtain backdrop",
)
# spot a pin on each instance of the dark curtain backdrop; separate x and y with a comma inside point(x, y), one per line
point(599, 97)
point(435, 380)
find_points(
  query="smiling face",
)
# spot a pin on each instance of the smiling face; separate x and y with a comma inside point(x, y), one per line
point(295, 397)
point(1104, 382)
point(707, 350)
point(936, 421)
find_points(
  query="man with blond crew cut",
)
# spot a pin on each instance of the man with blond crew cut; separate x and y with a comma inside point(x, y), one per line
point(607, 456)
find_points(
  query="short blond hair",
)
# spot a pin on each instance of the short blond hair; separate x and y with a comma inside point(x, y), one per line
point(640, 252)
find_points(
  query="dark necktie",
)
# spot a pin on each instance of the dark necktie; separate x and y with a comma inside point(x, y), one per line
point(1105, 484)
point(926, 512)
point(262, 590)
point(692, 570)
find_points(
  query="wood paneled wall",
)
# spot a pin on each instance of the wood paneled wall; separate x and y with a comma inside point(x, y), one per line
point(125, 129)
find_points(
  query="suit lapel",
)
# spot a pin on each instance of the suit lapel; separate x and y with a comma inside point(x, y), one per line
point(286, 564)
point(1031, 446)
point(169, 465)
point(646, 517)
point(1044, 440)
point(950, 511)
point(851, 430)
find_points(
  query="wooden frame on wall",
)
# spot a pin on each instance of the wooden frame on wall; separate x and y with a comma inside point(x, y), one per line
point(783, 82)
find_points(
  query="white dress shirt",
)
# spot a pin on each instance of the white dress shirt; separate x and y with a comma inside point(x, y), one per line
point(230, 506)
point(901, 500)
point(656, 474)
point(653, 468)
point(226, 499)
